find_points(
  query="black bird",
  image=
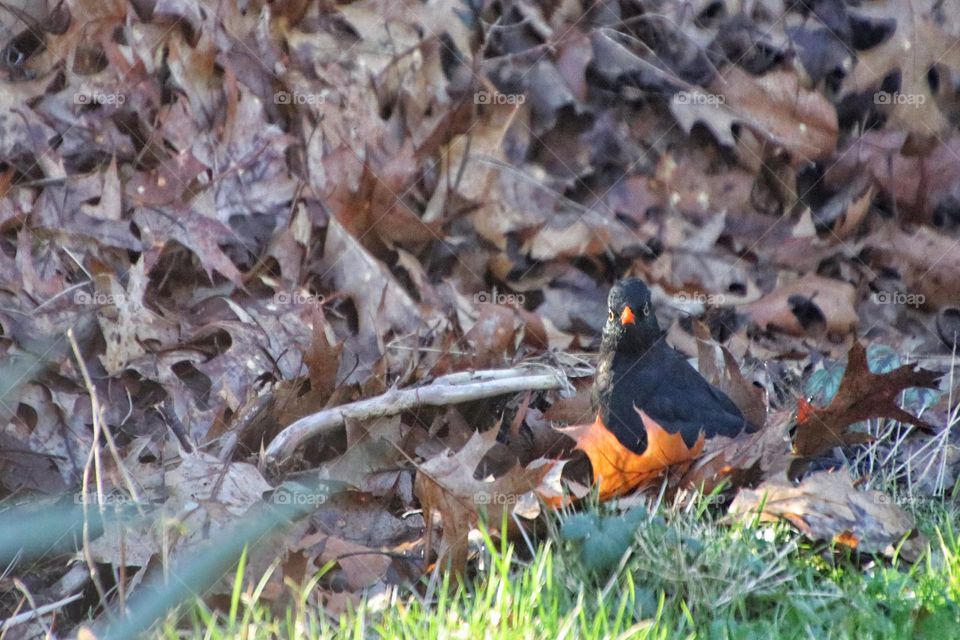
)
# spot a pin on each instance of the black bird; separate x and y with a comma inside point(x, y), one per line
point(653, 409)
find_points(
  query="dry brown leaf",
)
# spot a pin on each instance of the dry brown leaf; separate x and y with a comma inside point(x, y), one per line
point(382, 304)
point(42, 449)
point(811, 304)
point(862, 395)
point(360, 565)
point(322, 357)
point(22, 131)
point(918, 184)
point(205, 495)
point(745, 459)
point(185, 224)
point(748, 397)
point(359, 517)
point(927, 260)
point(854, 213)
point(478, 181)
point(773, 105)
point(687, 184)
point(373, 459)
point(918, 43)
point(492, 337)
point(445, 484)
point(129, 326)
point(827, 506)
point(577, 409)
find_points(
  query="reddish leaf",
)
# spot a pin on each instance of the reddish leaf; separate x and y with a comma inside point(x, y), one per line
point(862, 395)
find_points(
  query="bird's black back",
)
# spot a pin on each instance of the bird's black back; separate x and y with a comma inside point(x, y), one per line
point(662, 384)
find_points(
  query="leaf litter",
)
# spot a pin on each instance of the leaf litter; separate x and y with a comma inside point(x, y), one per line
point(253, 212)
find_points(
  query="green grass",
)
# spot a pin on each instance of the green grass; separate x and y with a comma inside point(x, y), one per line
point(684, 576)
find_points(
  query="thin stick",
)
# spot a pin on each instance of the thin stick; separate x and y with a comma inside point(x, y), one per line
point(454, 389)
point(26, 616)
point(93, 459)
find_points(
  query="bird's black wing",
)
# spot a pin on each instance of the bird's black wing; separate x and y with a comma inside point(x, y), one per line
point(671, 392)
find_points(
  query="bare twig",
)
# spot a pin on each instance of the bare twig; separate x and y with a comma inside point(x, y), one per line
point(93, 458)
point(27, 616)
point(455, 388)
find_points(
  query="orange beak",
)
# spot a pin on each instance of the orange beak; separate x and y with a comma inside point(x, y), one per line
point(627, 316)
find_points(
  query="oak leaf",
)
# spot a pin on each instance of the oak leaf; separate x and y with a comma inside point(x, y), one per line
point(862, 395)
point(446, 484)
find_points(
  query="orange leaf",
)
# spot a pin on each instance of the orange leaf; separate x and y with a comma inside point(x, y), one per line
point(617, 469)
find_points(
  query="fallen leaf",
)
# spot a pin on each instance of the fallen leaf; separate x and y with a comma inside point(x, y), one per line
point(205, 495)
point(360, 565)
point(382, 304)
point(916, 44)
point(132, 328)
point(322, 357)
point(744, 459)
point(773, 106)
point(862, 395)
point(492, 337)
point(927, 260)
point(748, 397)
point(827, 506)
point(811, 304)
point(616, 469)
point(446, 484)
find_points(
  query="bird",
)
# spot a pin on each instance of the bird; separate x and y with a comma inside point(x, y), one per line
point(653, 408)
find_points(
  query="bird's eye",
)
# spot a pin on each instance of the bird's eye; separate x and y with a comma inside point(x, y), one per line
point(646, 309)
point(611, 316)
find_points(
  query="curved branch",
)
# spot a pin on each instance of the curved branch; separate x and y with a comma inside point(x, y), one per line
point(453, 389)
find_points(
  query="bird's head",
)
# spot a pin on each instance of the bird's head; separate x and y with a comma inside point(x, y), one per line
point(631, 323)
